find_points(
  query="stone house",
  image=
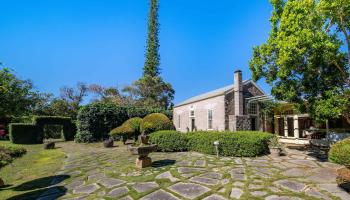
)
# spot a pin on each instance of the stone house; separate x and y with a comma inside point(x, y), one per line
point(227, 108)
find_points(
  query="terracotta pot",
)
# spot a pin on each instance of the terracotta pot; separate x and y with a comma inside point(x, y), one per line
point(275, 151)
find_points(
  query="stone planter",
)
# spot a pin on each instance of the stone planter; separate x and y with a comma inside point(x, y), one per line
point(142, 151)
point(1, 183)
point(275, 151)
point(49, 145)
point(108, 143)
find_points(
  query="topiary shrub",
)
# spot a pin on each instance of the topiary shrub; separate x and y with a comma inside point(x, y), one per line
point(122, 132)
point(96, 120)
point(169, 140)
point(340, 153)
point(22, 133)
point(241, 143)
point(156, 122)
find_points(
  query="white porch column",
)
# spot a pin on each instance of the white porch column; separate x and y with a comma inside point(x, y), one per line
point(296, 126)
point(285, 126)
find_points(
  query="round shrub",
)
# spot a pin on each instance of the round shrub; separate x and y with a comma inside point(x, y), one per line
point(169, 140)
point(134, 123)
point(122, 132)
point(340, 152)
point(156, 122)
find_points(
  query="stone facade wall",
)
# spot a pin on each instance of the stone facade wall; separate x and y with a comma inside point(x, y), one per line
point(217, 104)
point(241, 123)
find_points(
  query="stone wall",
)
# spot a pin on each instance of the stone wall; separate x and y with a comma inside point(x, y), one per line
point(240, 123)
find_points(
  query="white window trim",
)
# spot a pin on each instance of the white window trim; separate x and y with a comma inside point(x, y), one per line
point(210, 129)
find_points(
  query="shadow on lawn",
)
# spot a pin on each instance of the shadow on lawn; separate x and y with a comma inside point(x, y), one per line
point(41, 183)
point(163, 163)
point(46, 193)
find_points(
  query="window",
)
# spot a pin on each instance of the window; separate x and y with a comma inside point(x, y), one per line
point(252, 109)
point(210, 119)
point(179, 121)
point(192, 113)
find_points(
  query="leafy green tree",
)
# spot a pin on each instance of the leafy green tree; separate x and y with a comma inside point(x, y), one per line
point(150, 89)
point(302, 58)
point(17, 97)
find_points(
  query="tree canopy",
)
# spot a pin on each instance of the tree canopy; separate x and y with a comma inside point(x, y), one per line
point(302, 58)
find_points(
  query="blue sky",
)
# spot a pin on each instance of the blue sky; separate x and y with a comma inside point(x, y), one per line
point(61, 42)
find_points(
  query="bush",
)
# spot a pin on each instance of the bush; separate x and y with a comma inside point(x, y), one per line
point(96, 120)
point(69, 127)
point(122, 132)
point(135, 111)
point(9, 152)
point(243, 143)
point(156, 122)
point(340, 152)
point(170, 140)
point(21, 133)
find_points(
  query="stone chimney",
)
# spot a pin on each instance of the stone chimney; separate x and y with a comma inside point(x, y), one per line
point(238, 92)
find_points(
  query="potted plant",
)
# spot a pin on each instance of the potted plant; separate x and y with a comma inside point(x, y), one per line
point(275, 147)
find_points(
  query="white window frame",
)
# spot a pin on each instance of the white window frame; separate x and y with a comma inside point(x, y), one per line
point(210, 110)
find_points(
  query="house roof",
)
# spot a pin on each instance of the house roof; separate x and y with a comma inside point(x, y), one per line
point(214, 93)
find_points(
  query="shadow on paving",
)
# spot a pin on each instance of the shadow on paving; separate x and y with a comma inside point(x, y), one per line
point(163, 163)
point(40, 183)
point(44, 194)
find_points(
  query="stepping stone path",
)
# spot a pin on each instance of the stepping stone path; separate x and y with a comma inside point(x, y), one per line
point(103, 173)
point(189, 190)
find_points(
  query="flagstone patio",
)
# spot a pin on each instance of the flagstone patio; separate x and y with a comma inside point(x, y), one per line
point(99, 173)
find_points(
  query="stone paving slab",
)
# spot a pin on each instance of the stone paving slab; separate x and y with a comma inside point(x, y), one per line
point(189, 190)
point(159, 195)
point(145, 186)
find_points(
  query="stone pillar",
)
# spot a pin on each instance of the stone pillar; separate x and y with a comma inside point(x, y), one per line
point(285, 126)
point(296, 126)
point(238, 92)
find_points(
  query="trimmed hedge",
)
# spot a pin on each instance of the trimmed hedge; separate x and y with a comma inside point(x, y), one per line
point(169, 140)
point(9, 152)
point(33, 133)
point(241, 144)
point(96, 120)
point(340, 153)
point(156, 122)
point(22, 133)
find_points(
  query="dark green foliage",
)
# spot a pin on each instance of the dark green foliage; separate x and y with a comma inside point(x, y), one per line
point(10, 152)
point(33, 133)
point(169, 140)
point(69, 127)
point(340, 153)
point(156, 122)
point(21, 133)
point(96, 120)
point(142, 111)
point(130, 128)
point(243, 143)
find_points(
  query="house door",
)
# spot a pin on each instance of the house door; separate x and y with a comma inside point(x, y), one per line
point(280, 127)
point(193, 124)
point(290, 122)
point(253, 123)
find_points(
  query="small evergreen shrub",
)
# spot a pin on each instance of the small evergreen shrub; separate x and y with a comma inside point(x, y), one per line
point(340, 153)
point(10, 152)
point(169, 140)
point(156, 122)
point(122, 132)
point(22, 133)
point(96, 120)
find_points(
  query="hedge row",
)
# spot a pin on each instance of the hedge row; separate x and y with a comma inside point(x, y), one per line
point(242, 143)
point(9, 152)
point(96, 120)
point(33, 133)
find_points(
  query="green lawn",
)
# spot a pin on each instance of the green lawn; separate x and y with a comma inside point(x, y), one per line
point(27, 177)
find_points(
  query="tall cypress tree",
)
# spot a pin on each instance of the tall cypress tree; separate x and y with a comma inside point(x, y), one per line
point(150, 90)
point(152, 61)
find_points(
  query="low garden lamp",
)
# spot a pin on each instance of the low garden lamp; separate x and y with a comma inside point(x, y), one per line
point(216, 144)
